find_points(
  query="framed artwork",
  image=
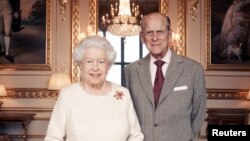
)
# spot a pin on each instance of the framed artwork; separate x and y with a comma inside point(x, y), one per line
point(29, 42)
point(228, 35)
point(95, 19)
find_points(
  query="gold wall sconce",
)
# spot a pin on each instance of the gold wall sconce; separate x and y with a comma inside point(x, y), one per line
point(175, 42)
point(63, 4)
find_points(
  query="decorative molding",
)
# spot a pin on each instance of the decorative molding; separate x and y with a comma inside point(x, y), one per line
point(193, 9)
point(63, 4)
point(49, 37)
point(181, 27)
point(227, 112)
point(25, 109)
point(29, 110)
point(92, 15)
point(164, 7)
point(12, 136)
point(227, 94)
point(75, 32)
point(30, 93)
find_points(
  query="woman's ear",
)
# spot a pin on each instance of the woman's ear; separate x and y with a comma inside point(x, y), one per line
point(109, 66)
point(81, 70)
point(80, 67)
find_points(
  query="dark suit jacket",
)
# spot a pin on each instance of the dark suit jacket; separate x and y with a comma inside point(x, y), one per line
point(182, 104)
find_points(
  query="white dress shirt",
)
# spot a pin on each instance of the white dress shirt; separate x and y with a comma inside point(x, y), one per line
point(153, 66)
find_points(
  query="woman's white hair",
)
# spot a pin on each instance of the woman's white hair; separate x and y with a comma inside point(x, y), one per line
point(97, 42)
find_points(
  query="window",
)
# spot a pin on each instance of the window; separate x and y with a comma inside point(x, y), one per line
point(129, 49)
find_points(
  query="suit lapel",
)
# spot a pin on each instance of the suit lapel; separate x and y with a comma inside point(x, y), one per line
point(145, 77)
point(174, 70)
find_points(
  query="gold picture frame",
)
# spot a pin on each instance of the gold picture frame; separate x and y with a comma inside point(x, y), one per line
point(220, 37)
point(33, 39)
point(75, 15)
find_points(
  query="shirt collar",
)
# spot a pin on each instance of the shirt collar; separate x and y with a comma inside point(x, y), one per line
point(166, 58)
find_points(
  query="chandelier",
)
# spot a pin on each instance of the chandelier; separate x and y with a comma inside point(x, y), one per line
point(123, 22)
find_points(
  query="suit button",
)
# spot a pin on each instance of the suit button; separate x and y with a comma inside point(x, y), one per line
point(155, 125)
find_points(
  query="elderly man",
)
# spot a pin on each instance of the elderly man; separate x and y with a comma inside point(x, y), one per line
point(168, 90)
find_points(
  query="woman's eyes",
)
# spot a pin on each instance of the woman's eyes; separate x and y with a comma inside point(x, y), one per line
point(99, 61)
point(89, 61)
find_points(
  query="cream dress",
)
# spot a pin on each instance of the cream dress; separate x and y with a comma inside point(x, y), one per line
point(78, 116)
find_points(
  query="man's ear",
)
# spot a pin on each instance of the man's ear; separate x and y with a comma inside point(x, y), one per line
point(142, 38)
point(170, 34)
point(170, 38)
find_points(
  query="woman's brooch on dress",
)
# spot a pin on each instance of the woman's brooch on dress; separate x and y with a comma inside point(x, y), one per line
point(119, 95)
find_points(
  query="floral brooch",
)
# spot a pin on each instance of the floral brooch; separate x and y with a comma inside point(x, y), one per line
point(118, 95)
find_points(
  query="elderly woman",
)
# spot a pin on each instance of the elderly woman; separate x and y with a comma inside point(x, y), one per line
point(94, 109)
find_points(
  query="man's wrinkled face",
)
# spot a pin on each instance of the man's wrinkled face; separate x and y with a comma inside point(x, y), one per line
point(156, 35)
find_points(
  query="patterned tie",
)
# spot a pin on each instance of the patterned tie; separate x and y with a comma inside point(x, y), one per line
point(159, 79)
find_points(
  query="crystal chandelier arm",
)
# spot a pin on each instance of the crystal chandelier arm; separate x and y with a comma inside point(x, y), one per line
point(122, 22)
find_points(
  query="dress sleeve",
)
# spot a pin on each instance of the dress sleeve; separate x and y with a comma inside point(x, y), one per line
point(135, 129)
point(57, 124)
